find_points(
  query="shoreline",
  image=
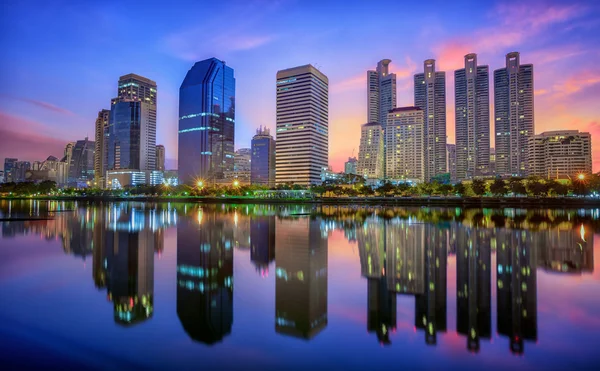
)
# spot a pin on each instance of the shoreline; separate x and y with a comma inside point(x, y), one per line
point(496, 202)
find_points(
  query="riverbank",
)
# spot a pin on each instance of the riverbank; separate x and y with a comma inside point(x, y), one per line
point(495, 202)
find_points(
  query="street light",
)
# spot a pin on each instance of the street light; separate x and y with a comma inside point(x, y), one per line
point(236, 183)
point(200, 184)
point(581, 176)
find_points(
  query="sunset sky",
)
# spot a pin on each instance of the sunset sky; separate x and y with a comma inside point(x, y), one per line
point(61, 60)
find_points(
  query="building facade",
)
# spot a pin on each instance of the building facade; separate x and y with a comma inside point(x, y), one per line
point(404, 144)
point(513, 112)
point(9, 165)
point(430, 96)
point(302, 146)
point(81, 168)
point(160, 157)
point(451, 161)
point(381, 88)
point(100, 160)
point(206, 122)
point(371, 151)
point(350, 166)
point(262, 166)
point(19, 171)
point(472, 119)
point(560, 154)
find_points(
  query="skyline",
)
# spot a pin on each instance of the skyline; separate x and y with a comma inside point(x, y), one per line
point(43, 109)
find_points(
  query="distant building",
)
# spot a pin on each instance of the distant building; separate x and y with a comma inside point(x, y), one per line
point(68, 153)
point(9, 165)
point(381, 97)
point(50, 170)
point(302, 146)
point(206, 122)
point(170, 177)
point(328, 175)
point(371, 151)
point(350, 166)
point(560, 154)
point(241, 166)
point(451, 158)
point(81, 168)
point(160, 157)
point(121, 178)
point(404, 144)
point(1, 176)
point(513, 112)
point(100, 160)
point(430, 96)
point(472, 119)
point(262, 167)
point(18, 173)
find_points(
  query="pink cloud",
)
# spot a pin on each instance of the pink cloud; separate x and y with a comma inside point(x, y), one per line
point(26, 140)
point(45, 105)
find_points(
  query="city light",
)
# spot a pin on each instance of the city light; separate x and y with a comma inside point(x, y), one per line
point(200, 184)
point(581, 176)
point(236, 183)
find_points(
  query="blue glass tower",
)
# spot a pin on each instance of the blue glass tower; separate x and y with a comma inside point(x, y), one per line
point(206, 122)
point(263, 158)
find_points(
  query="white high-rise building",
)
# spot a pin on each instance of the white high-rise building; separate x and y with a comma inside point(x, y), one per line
point(430, 96)
point(302, 139)
point(472, 114)
point(404, 141)
point(381, 96)
point(560, 154)
point(370, 151)
point(99, 151)
point(513, 112)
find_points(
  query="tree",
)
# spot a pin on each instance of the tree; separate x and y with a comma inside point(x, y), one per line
point(498, 188)
point(460, 189)
point(479, 187)
point(445, 189)
point(516, 186)
point(556, 188)
point(385, 188)
point(535, 187)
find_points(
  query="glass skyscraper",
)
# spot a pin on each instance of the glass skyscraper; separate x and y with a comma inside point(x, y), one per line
point(206, 122)
point(263, 158)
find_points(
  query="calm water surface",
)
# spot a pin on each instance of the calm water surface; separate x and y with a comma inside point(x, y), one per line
point(188, 286)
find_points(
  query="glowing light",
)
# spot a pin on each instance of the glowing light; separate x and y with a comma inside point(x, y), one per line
point(200, 184)
point(581, 176)
point(236, 183)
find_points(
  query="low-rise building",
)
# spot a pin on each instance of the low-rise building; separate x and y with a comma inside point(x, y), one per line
point(560, 154)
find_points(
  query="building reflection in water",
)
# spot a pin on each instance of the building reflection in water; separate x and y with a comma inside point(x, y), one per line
point(405, 254)
point(473, 285)
point(516, 287)
point(381, 302)
point(205, 275)
point(129, 245)
point(262, 242)
point(430, 307)
point(301, 277)
point(566, 250)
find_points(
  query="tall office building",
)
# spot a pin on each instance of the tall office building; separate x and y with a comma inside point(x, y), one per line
point(160, 157)
point(350, 166)
point(206, 122)
point(513, 112)
point(302, 146)
point(516, 287)
point(371, 151)
point(68, 153)
point(99, 150)
point(381, 88)
point(473, 286)
point(81, 168)
point(404, 143)
point(19, 171)
point(131, 132)
point(472, 119)
point(9, 165)
point(560, 154)
point(451, 161)
point(262, 166)
point(430, 96)
point(300, 278)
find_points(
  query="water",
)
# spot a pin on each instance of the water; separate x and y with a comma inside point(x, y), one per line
point(188, 286)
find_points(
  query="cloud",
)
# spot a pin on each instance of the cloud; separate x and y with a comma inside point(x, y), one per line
point(41, 104)
point(352, 83)
point(577, 82)
point(25, 139)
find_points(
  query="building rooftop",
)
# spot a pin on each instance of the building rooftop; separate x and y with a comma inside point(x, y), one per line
point(405, 109)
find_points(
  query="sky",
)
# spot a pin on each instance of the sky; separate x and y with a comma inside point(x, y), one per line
point(60, 60)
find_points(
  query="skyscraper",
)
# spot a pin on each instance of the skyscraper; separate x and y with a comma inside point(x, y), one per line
point(131, 133)
point(451, 161)
point(381, 97)
point(371, 151)
point(18, 172)
point(350, 166)
point(9, 165)
point(99, 150)
point(206, 122)
point(68, 153)
point(404, 142)
point(160, 157)
point(472, 119)
point(513, 112)
point(262, 166)
point(430, 96)
point(302, 147)
point(81, 168)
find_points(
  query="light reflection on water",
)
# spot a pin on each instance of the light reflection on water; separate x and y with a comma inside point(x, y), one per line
point(501, 282)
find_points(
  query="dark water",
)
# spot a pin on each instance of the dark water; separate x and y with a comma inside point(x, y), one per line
point(187, 286)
